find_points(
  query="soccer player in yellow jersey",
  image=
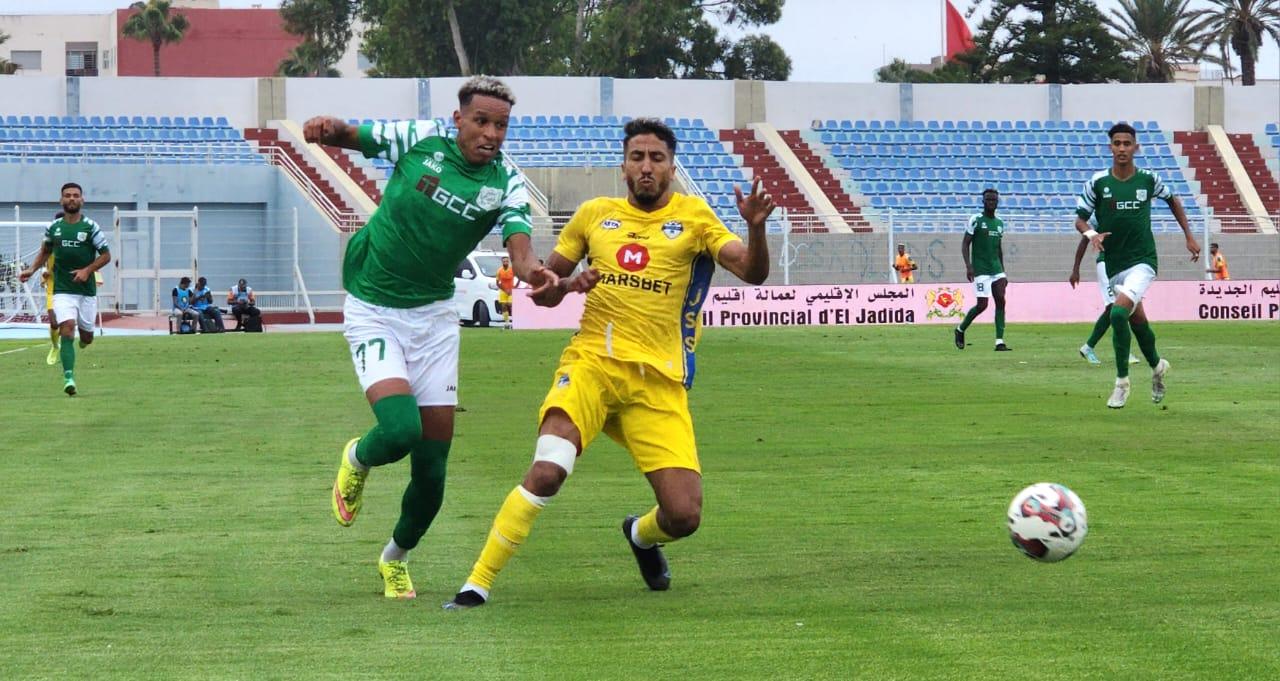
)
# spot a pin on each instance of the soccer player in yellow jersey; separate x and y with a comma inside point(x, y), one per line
point(627, 370)
point(46, 280)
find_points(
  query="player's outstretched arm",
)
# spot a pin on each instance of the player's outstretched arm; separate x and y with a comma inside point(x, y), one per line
point(526, 265)
point(551, 296)
point(1179, 214)
point(750, 262)
point(330, 131)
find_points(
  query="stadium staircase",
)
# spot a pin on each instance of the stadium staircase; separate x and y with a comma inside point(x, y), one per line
point(773, 177)
point(366, 182)
point(1256, 166)
point(826, 180)
point(284, 155)
point(1215, 180)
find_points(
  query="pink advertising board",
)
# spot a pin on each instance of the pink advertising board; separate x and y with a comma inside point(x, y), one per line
point(938, 304)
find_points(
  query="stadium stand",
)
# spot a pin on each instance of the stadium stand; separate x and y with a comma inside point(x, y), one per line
point(122, 139)
point(826, 180)
point(268, 138)
point(921, 167)
point(1256, 165)
point(580, 141)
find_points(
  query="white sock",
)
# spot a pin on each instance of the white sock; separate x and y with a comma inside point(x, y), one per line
point(635, 538)
point(392, 551)
point(351, 458)
point(484, 593)
point(999, 341)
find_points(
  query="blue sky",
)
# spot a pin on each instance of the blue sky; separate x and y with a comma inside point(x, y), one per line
point(828, 40)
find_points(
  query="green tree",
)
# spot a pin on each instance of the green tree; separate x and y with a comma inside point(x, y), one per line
point(958, 70)
point(1057, 41)
point(622, 38)
point(7, 67)
point(757, 57)
point(325, 26)
point(1160, 34)
point(1241, 26)
point(152, 23)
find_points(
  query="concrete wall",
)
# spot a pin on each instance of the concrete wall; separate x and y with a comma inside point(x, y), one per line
point(712, 101)
point(1249, 109)
point(980, 102)
point(793, 106)
point(1173, 106)
point(351, 98)
point(235, 98)
point(32, 96)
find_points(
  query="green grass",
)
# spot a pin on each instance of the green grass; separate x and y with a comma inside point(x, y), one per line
point(173, 521)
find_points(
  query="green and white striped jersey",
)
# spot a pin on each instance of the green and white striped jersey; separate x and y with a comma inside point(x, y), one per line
point(435, 209)
point(1123, 208)
point(74, 245)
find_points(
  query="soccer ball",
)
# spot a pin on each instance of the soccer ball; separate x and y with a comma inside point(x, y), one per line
point(1047, 522)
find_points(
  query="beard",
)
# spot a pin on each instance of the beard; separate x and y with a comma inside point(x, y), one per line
point(70, 209)
point(646, 197)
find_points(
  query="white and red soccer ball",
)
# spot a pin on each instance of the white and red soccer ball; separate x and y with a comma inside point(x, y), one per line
point(1047, 522)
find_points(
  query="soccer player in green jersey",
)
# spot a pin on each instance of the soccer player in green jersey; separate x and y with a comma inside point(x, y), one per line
point(446, 193)
point(1108, 299)
point(1120, 198)
point(79, 249)
point(984, 266)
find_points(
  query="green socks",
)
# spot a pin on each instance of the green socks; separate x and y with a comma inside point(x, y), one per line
point(425, 493)
point(1146, 342)
point(1120, 339)
point(968, 318)
point(67, 350)
point(999, 322)
point(398, 430)
point(1100, 328)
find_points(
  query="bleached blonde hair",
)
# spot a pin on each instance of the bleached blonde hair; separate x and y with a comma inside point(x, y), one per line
point(487, 86)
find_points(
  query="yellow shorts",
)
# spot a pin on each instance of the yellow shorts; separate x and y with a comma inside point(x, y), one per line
point(504, 297)
point(642, 410)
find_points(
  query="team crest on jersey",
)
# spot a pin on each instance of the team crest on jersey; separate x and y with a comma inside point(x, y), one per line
point(81, 236)
point(489, 198)
point(672, 229)
point(563, 381)
point(1142, 195)
point(610, 224)
point(438, 156)
point(1106, 192)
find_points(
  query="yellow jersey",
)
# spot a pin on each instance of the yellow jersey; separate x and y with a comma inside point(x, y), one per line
point(46, 280)
point(655, 271)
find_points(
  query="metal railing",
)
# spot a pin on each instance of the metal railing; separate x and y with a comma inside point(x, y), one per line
point(344, 220)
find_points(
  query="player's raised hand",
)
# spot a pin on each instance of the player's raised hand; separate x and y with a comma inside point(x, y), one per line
point(24, 275)
point(755, 207)
point(322, 129)
point(1193, 247)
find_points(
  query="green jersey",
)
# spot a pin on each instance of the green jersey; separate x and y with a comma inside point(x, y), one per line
point(436, 208)
point(74, 245)
point(984, 246)
point(1123, 208)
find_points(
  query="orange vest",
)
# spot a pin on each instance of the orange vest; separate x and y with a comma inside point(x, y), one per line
point(506, 279)
point(1220, 264)
point(903, 264)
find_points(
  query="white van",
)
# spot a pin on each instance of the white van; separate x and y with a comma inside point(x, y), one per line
point(476, 288)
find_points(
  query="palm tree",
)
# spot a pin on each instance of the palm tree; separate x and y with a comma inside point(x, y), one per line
point(153, 24)
point(306, 61)
point(7, 67)
point(1162, 34)
point(1241, 25)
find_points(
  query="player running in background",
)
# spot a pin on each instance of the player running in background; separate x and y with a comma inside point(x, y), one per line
point(905, 266)
point(985, 266)
point(506, 282)
point(1217, 264)
point(628, 369)
point(1108, 298)
point(447, 192)
point(1120, 198)
point(79, 249)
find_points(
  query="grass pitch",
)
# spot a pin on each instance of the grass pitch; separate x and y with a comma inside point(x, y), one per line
point(173, 520)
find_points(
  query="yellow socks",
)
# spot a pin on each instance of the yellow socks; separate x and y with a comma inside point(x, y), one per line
point(510, 530)
point(647, 531)
point(54, 336)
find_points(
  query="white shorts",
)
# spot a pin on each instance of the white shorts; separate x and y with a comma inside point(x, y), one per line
point(982, 284)
point(1104, 286)
point(1132, 282)
point(419, 345)
point(83, 309)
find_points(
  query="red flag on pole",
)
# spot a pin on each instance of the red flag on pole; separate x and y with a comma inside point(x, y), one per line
point(959, 38)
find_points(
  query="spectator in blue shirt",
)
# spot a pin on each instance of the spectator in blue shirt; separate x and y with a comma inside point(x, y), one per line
point(204, 304)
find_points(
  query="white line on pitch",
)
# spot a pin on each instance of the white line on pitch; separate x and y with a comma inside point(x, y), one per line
point(19, 349)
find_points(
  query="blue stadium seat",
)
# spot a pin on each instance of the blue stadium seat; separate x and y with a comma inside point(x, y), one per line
point(25, 121)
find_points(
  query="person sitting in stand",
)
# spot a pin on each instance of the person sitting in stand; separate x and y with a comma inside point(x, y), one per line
point(242, 303)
